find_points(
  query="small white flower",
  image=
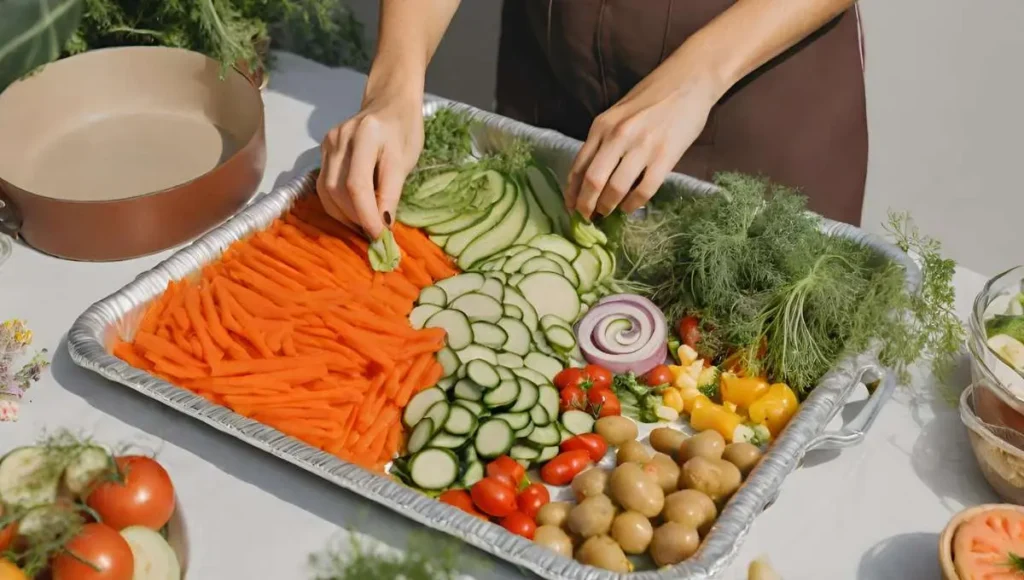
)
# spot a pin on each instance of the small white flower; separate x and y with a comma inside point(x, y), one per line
point(9, 410)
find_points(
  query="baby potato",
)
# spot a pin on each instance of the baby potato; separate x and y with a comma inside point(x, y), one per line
point(634, 489)
point(554, 539)
point(707, 444)
point(717, 478)
point(665, 471)
point(667, 440)
point(591, 517)
point(743, 455)
point(616, 429)
point(554, 514)
point(632, 450)
point(632, 531)
point(691, 508)
point(672, 543)
point(591, 482)
point(603, 552)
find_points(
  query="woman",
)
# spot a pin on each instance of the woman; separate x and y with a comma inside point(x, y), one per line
point(772, 87)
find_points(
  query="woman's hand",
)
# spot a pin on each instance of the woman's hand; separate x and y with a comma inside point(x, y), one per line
point(633, 145)
point(365, 160)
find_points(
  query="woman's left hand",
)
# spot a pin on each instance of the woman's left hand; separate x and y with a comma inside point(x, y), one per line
point(633, 145)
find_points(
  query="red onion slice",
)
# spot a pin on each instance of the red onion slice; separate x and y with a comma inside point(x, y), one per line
point(624, 333)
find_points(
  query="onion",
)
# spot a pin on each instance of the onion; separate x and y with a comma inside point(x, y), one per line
point(624, 333)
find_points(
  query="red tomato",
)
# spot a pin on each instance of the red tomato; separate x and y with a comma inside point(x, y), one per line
point(98, 552)
point(689, 331)
point(460, 498)
point(519, 524)
point(572, 397)
point(494, 497)
point(592, 443)
point(564, 467)
point(508, 468)
point(604, 402)
point(659, 375)
point(571, 377)
point(599, 377)
point(7, 533)
point(532, 498)
point(144, 497)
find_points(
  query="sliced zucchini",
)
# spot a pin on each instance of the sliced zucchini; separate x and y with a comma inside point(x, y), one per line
point(566, 268)
point(530, 375)
point(566, 434)
point(483, 374)
point(540, 264)
point(29, 476)
point(87, 467)
point(461, 373)
point(439, 241)
point(548, 453)
point(468, 390)
point(433, 469)
point(540, 416)
point(459, 333)
point(503, 371)
point(422, 217)
point(432, 295)
point(560, 338)
point(459, 241)
point(418, 406)
point(518, 337)
point(525, 431)
point(474, 407)
point(529, 394)
point(549, 197)
point(478, 307)
point(512, 311)
point(489, 335)
point(543, 364)
point(434, 185)
point(438, 413)
point(588, 270)
point(474, 472)
point(606, 260)
point(45, 523)
point(477, 352)
point(524, 453)
point(419, 315)
point(509, 360)
point(420, 435)
point(545, 436)
point(541, 343)
point(516, 298)
point(491, 265)
point(494, 288)
point(551, 293)
point(447, 441)
point(461, 284)
point(503, 395)
point(577, 422)
point(516, 261)
point(457, 223)
point(500, 277)
point(493, 438)
point(556, 244)
point(501, 236)
point(515, 420)
point(515, 279)
point(446, 383)
point(449, 361)
point(550, 321)
point(549, 399)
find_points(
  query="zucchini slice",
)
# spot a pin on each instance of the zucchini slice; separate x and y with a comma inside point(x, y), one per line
point(468, 390)
point(478, 307)
point(503, 395)
point(419, 315)
point(493, 438)
point(433, 469)
point(489, 334)
point(577, 422)
point(420, 435)
point(459, 333)
point(551, 293)
point(477, 352)
point(529, 395)
point(418, 406)
point(518, 338)
point(557, 245)
point(499, 237)
point(474, 473)
point(509, 360)
point(432, 295)
point(460, 421)
point(543, 364)
point(483, 374)
point(29, 477)
point(449, 361)
point(460, 284)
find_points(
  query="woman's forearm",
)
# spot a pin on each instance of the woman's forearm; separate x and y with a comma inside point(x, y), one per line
point(748, 35)
point(407, 37)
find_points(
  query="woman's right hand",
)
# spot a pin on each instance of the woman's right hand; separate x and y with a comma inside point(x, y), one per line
point(365, 160)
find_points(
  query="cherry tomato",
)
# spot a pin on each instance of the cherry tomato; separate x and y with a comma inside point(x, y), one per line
point(460, 498)
point(532, 498)
point(604, 402)
point(592, 443)
point(599, 377)
point(519, 524)
point(9, 571)
point(494, 497)
point(509, 468)
point(564, 467)
point(659, 375)
point(144, 497)
point(689, 331)
point(572, 397)
point(7, 533)
point(98, 552)
point(571, 377)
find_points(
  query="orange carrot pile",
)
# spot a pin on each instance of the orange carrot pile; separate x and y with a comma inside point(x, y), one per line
point(293, 329)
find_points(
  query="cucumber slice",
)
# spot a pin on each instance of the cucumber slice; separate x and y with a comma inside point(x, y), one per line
point(494, 288)
point(473, 407)
point(491, 265)
point(438, 414)
point(493, 438)
point(503, 371)
point(551, 293)
point(432, 295)
point(549, 320)
point(515, 262)
point(88, 466)
point(460, 421)
point(433, 469)
point(421, 217)
point(459, 334)
point(449, 361)
point(418, 406)
point(512, 311)
point(447, 441)
point(549, 197)
point(153, 556)
point(44, 523)
point(419, 315)
point(516, 298)
point(477, 352)
point(544, 364)
point(560, 338)
point(489, 335)
point(515, 279)
point(446, 383)
point(545, 436)
point(548, 453)
point(483, 374)
point(540, 416)
point(537, 222)
point(606, 260)
point(577, 422)
point(518, 337)
point(461, 284)
point(478, 307)
point(438, 241)
point(549, 399)
point(530, 375)
point(458, 242)
point(474, 473)
point(501, 236)
point(565, 267)
point(588, 270)
point(540, 264)
point(557, 245)
point(457, 223)
point(434, 185)
point(420, 435)
point(29, 476)
point(461, 373)
point(509, 360)
point(515, 420)
point(529, 394)
point(525, 431)
point(500, 277)
point(589, 298)
point(524, 453)
point(503, 395)
point(468, 390)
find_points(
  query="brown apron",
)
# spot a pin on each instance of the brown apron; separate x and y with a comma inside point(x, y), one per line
point(799, 120)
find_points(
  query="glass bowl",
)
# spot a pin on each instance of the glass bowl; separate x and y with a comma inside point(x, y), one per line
point(986, 366)
point(999, 450)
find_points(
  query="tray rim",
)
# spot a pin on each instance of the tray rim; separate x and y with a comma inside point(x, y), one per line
point(86, 346)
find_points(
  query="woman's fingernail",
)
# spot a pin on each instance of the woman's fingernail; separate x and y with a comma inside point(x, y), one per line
point(387, 218)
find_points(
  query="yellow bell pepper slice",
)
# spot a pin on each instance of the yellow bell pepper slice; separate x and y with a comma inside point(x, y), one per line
point(692, 398)
point(742, 391)
point(775, 408)
point(710, 416)
point(672, 399)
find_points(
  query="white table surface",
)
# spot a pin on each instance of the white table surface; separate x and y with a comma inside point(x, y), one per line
point(869, 512)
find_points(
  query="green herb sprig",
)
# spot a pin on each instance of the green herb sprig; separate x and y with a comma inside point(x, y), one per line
point(427, 558)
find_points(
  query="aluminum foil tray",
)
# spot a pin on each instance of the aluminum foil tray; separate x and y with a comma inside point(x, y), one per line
point(91, 337)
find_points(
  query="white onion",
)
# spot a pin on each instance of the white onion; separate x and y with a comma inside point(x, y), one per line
point(624, 333)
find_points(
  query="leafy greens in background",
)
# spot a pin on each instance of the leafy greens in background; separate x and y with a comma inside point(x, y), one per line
point(32, 33)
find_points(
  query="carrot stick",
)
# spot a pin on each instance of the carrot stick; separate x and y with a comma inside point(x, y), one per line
point(125, 352)
point(217, 331)
point(163, 348)
point(211, 353)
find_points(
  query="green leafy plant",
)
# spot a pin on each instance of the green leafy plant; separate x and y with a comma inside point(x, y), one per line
point(32, 33)
point(427, 558)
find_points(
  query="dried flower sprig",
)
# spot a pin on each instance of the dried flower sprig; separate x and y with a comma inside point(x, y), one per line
point(15, 339)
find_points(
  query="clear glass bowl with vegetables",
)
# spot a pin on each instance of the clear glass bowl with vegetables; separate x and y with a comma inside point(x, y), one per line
point(998, 449)
point(997, 336)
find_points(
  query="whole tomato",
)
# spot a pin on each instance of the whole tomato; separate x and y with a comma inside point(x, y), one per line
point(7, 533)
point(572, 397)
point(144, 496)
point(98, 552)
point(689, 331)
point(519, 524)
point(599, 377)
point(571, 377)
point(564, 467)
point(532, 498)
point(494, 497)
point(507, 468)
point(592, 443)
point(659, 375)
point(604, 402)
point(460, 498)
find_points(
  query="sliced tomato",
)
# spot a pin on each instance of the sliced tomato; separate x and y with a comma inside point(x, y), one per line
point(98, 552)
point(599, 377)
point(571, 377)
point(144, 495)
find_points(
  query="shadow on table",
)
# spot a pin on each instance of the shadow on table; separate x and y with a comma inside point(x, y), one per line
point(913, 556)
point(858, 399)
point(295, 486)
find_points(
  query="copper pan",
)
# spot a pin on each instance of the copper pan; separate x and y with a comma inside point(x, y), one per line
point(123, 152)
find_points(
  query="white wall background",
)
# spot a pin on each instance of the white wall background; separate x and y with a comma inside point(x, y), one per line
point(945, 87)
